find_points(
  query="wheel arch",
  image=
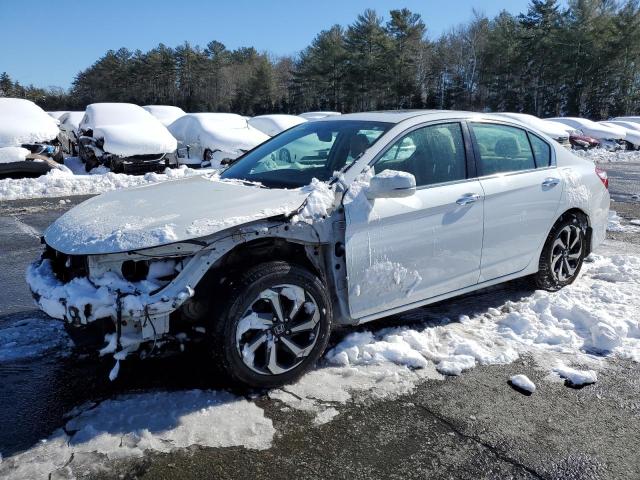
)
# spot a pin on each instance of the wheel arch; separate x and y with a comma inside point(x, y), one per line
point(580, 214)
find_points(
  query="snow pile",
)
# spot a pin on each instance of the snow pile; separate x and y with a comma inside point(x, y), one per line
point(27, 338)
point(127, 129)
point(166, 114)
point(616, 224)
point(318, 204)
point(63, 182)
point(22, 121)
point(523, 383)
point(600, 155)
point(576, 377)
point(13, 154)
point(129, 425)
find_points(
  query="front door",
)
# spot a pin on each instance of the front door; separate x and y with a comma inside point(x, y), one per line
point(403, 250)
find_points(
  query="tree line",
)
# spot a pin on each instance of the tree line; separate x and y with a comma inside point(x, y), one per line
point(581, 59)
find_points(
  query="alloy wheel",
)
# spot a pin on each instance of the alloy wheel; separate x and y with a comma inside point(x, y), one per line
point(566, 253)
point(279, 330)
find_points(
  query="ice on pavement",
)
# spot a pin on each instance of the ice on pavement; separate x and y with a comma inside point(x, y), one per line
point(129, 425)
point(523, 383)
point(73, 181)
point(26, 338)
point(576, 377)
point(617, 224)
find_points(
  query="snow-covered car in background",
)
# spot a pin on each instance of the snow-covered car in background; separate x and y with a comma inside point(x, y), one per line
point(28, 143)
point(57, 114)
point(167, 114)
point(552, 129)
point(125, 138)
point(632, 132)
point(68, 135)
point(259, 263)
point(610, 138)
point(212, 139)
point(272, 125)
point(318, 115)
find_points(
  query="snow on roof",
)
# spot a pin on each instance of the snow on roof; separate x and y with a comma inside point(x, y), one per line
point(57, 114)
point(318, 115)
point(548, 128)
point(127, 129)
point(274, 124)
point(22, 121)
point(167, 114)
point(228, 120)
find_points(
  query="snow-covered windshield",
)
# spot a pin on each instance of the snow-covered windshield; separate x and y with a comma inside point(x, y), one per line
point(307, 151)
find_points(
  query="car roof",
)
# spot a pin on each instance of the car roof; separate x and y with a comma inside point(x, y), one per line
point(397, 116)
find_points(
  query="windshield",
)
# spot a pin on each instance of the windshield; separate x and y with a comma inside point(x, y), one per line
point(306, 151)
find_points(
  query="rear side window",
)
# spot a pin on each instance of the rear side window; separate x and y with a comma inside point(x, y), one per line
point(541, 150)
point(433, 154)
point(502, 148)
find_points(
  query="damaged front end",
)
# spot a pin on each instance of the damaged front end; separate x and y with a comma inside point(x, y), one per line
point(125, 300)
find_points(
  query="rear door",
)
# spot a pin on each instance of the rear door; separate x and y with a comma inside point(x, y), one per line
point(403, 250)
point(522, 189)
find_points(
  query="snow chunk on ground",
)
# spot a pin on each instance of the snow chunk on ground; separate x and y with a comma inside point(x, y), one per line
point(64, 182)
point(325, 416)
point(13, 154)
point(576, 377)
point(27, 338)
point(129, 425)
point(523, 383)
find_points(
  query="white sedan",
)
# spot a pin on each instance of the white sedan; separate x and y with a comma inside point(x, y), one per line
point(210, 139)
point(378, 213)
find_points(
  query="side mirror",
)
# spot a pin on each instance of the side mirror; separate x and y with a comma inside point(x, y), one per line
point(391, 184)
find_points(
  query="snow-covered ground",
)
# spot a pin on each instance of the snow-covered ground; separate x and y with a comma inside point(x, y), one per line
point(75, 181)
point(568, 334)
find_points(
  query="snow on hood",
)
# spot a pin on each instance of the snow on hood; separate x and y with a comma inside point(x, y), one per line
point(13, 154)
point(22, 121)
point(165, 213)
point(136, 139)
point(274, 124)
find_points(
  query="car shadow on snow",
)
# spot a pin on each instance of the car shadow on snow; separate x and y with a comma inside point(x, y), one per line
point(39, 392)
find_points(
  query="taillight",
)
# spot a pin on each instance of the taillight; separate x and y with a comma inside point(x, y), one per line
point(604, 178)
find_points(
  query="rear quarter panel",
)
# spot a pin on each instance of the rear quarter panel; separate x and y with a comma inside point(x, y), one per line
point(585, 191)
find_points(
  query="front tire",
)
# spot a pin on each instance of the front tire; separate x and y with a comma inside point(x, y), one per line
point(563, 253)
point(274, 327)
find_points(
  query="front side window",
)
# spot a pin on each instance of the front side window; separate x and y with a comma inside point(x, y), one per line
point(433, 154)
point(306, 151)
point(502, 148)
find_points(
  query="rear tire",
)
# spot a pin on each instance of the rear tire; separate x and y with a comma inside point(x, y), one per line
point(563, 253)
point(273, 327)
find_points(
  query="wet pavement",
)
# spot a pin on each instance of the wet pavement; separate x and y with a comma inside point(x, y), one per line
point(471, 426)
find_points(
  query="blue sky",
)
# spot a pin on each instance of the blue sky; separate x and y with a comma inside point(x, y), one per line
point(47, 42)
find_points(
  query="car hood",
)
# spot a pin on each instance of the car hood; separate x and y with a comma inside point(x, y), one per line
point(164, 213)
point(127, 140)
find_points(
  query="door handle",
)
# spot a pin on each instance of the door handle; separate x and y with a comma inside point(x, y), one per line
point(550, 182)
point(468, 198)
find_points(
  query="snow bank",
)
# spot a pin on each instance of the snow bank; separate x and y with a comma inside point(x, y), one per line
point(616, 224)
point(13, 154)
point(600, 155)
point(22, 121)
point(64, 183)
point(523, 383)
point(27, 338)
point(129, 425)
